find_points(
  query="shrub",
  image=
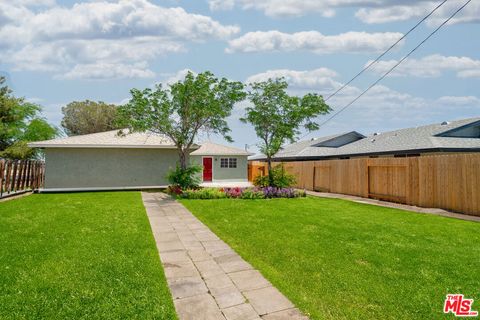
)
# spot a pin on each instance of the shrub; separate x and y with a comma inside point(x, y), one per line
point(235, 193)
point(261, 181)
point(204, 193)
point(174, 190)
point(252, 194)
point(272, 192)
point(185, 178)
point(281, 179)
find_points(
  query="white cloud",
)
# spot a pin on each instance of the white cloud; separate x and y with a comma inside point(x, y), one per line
point(62, 55)
point(217, 5)
point(321, 78)
point(124, 19)
point(180, 75)
point(475, 73)
point(352, 42)
point(100, 33)
point(431, 66)
point(280, 8)
point(103, 70)
point(382, 107)
point(368, 11)
point(32, 3)
point(401, 12)
point(459, 101)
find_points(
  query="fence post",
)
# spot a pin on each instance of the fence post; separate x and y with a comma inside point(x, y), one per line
point(24, 173)
point(8, 177)
point(19, 175)
point(43, 175)
point(35, 176)
point(27, 174)
point(2, 175)
point(314, 175)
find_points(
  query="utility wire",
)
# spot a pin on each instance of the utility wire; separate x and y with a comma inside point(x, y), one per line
point(386, 51)
point(397, 64)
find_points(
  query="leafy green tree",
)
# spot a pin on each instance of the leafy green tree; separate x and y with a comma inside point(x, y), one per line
point(277, 116)
point(84, 117)
point(198, 103)
point(20, 122)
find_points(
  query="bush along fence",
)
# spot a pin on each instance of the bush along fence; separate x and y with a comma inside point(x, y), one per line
point(20, 175)
point(448, 181)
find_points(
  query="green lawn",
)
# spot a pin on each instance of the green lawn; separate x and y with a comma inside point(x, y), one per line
point(80, 256)
point(337, 259)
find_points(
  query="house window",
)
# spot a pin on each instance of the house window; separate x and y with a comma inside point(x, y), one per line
point(228, 162)
point(224, 163)
point(232, 162)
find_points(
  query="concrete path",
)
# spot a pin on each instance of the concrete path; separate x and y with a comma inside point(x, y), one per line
point(435, 211)
point(207, 279)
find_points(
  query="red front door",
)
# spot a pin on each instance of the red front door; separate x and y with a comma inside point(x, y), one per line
point(207, 169)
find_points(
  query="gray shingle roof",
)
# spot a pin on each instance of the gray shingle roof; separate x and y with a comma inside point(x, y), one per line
point(405, 140)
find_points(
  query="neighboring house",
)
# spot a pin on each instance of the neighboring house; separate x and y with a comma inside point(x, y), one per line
point(107, 161)
point(446, 137)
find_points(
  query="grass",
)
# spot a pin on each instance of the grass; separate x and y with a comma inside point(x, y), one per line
point(80, 256)
point(337, 259)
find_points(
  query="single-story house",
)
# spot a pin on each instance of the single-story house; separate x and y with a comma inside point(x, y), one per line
point(446, 137)
point(109, 161)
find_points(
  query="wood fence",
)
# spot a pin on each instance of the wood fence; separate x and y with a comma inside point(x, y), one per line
point(450, 182)
point(20, 175)
point(255, 169)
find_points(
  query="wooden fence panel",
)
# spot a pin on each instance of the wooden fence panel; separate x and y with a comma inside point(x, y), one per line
point(349, 177)
point(255, 169)
point(20, 175)
point(449, 182)
point(388, 182)
point(321, 176)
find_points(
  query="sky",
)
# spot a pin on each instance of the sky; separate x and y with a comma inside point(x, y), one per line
point(57, 51)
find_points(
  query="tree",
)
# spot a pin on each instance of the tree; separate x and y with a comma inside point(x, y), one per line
point(198, 103)
point(84, 117)
point(277, 117)
point(21, 122)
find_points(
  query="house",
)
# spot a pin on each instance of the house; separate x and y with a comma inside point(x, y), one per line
point(108, 161)
point(445, 137)
point(221, 163)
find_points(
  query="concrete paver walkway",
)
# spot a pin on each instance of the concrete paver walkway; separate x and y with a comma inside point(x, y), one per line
point(207, 279)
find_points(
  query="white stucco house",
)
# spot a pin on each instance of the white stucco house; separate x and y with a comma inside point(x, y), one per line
point(108, 161)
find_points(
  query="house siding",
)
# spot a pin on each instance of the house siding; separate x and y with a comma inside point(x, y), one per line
point(71, 168)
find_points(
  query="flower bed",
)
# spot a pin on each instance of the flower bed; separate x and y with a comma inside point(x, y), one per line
point(236, 193)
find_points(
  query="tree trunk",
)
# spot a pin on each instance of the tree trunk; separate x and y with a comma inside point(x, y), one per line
point(183, 159)
point(270, 174)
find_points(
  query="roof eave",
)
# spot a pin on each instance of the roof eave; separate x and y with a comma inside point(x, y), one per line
point(99, 146)
point(220, 154)
point(408, 151)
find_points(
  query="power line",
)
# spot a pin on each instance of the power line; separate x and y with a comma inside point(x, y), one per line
point(386, 51)
point(397, 64)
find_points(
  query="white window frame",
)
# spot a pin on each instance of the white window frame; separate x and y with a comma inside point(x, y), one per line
point(230, 162)
point(221, 163)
